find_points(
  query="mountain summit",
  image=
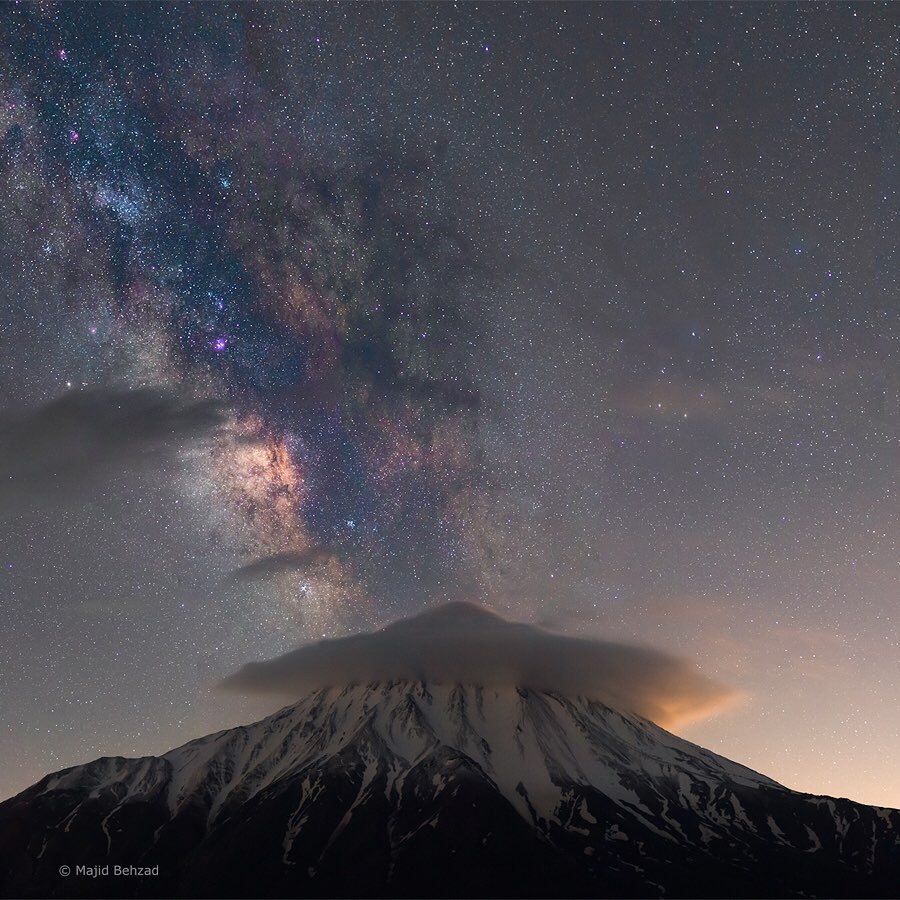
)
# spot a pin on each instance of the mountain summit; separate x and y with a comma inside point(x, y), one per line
point(463, 643)
point(409, 788)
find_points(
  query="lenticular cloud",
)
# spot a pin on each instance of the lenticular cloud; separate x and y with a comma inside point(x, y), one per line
point(464, 643)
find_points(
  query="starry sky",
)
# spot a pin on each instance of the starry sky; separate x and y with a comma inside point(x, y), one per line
point(317, 316)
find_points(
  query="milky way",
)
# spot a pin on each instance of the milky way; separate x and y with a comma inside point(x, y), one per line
point(330, 303)
point(314, 316)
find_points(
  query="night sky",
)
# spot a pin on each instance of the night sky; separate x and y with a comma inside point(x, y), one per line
point(313, 317)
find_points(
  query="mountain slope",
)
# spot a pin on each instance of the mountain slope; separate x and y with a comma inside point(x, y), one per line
point(402, 788)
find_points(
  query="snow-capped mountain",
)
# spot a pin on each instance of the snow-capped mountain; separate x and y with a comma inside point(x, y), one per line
point(405, 788)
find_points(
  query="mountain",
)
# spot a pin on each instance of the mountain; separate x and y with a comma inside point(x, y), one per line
point(405, 788)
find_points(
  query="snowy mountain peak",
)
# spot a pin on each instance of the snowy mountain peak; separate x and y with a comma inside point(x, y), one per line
point(399, 780)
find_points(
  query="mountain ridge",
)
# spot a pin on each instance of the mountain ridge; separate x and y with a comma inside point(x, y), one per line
point(380, 789)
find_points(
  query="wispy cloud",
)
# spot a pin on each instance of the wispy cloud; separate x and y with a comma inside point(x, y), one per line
point(270, 566)
point(63, 445)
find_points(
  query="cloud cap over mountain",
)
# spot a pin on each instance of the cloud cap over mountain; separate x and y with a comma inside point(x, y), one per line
point(463, 642)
